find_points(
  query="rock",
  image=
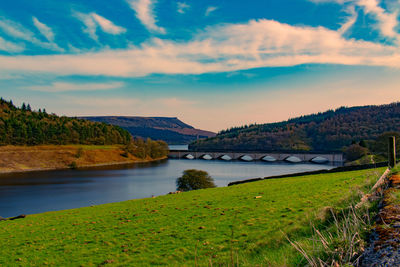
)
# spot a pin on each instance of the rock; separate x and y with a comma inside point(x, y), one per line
point(18, 217)
point(176, 192)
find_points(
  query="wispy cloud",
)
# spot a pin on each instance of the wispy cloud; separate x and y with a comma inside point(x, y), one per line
point(90, 25)
point(92, 20)
point(258, 43)
point(210, 9)
point(387, 22)
point(182, 7)
point(145, 13)
point(350, 21)
point(106, 25)
point(64, 87)
point(44, 29)
point(10, 46)
point(17, 31)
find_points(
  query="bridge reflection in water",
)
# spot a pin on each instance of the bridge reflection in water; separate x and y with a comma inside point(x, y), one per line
point(252, 156)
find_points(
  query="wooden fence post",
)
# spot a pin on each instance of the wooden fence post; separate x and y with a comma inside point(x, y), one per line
point(392, 151)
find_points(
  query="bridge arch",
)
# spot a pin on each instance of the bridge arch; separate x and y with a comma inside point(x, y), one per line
point(206, 157)
point(293, 159)
point(246, 158)
point(268, 158)
point(189, 156)
point(225, 157)
point(319, 159)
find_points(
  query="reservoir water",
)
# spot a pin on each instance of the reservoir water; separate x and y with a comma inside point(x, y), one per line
point(29, 193)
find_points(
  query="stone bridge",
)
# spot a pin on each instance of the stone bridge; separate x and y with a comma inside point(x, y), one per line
point(267, 156)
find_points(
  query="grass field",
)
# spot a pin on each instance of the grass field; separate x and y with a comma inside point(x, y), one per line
point(198, 227)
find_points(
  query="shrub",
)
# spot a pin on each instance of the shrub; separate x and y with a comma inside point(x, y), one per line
point(79, 153)
point(149, 148)
point(355, 151)
point(73, 165)
point(382, 143)
point(193, 180)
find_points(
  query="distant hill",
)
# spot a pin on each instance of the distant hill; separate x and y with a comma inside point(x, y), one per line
point(24, 126)
point(328, 131)
point(171, 130)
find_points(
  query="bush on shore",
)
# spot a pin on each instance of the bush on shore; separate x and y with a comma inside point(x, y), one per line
point(193, 180)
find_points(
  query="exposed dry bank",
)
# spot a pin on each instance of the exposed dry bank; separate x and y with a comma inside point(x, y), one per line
point(51, 157)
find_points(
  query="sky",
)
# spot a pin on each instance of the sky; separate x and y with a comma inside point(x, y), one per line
point(214, 64)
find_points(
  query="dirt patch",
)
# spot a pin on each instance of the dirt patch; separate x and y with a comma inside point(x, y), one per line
point(384, 248)
point(24, 158)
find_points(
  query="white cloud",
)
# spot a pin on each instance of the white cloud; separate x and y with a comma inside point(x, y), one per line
point(10, 46)
point(210, 9)
point(93, 20)
point(44, 29)
point(64, 87)
point(182, 7)
point(350, 21)
point(387, 22)
point(145, 13)
point(90, 24)
point(224, 48)
point(107, 26)
point(17, 31)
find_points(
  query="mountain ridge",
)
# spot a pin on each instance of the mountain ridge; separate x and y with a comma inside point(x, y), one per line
point(169, 129)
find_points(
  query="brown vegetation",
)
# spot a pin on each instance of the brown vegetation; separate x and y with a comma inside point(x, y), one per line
point(48, 157)
point(389, 218)
point(332, 130)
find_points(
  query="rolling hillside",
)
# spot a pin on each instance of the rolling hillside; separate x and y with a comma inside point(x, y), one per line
point(197, 228)
point(24, 126)
point(328, 131)
point(170, 130)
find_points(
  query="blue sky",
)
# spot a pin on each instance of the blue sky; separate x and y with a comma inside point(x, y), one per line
point(214, 64)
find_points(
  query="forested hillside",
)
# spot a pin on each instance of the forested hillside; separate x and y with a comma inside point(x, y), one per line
point(23, 126)
point(328, 131)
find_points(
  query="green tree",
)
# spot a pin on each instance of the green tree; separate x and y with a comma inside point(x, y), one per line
point(355, 151)
point(194, 179)
point(382, 142)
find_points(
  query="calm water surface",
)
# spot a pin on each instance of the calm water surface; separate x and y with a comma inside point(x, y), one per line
point(30, 193)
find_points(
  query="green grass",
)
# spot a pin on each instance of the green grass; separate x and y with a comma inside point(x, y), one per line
point(95, 147)
point(179, 230)
point(367, 159)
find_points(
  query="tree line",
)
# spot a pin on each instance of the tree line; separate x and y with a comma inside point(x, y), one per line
point(332, 130)
point(24, 126)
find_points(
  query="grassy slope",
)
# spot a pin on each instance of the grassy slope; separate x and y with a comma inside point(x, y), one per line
point(26, 158)
point(167, 229)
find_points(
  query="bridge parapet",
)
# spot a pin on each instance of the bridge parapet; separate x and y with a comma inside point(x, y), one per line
point(303, 157)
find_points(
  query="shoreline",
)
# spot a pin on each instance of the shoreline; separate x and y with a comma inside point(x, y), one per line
point(88, 166)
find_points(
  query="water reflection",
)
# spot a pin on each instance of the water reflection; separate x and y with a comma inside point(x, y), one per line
point(27, 193)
